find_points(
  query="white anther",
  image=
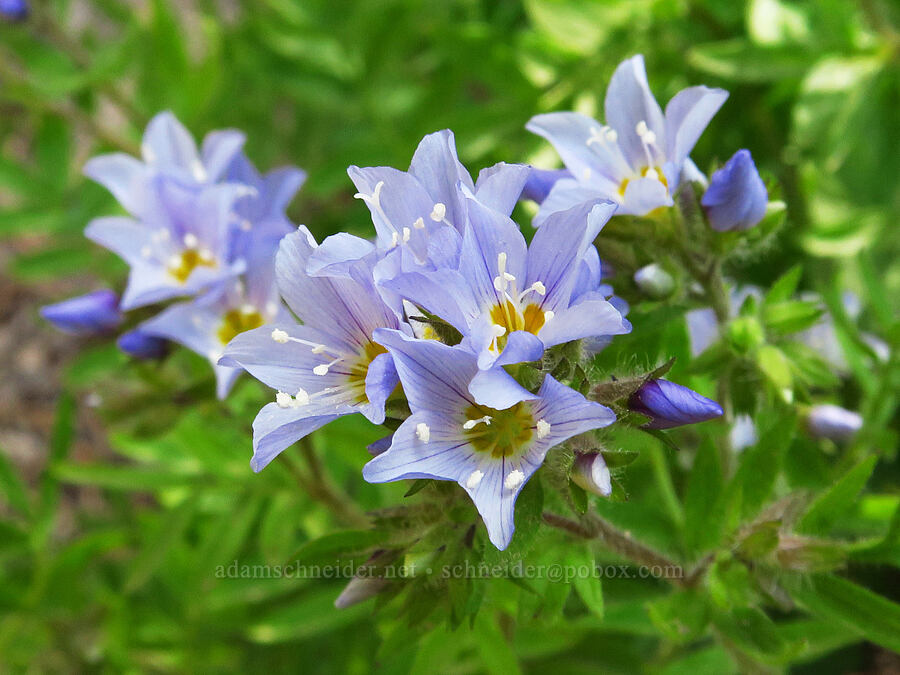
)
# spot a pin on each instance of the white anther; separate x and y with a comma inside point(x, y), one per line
point(586, 173)
point(501, 263)
point(543, 428)
point(159, 235)
point(610, 134)
point(508, 276)
point(419, 224)
point(514, 479)
point(175, 261)
point(438, 213)
point(147, 152)
point(474, 479)
point(373, 198)
point(205, 255)
point(406, 234)
point(471, 424)
point(321, 369)
point(190, 240)
point(548, 315)
point(319, 349)
point(649, 138)
point(146, 252)
point(651, 174)
point(247, 308)
point(539, 288)
point(500, 283)
point(284, 400)
point(198, 169)
point(641, 129)
point(498, 330)
point(395, 239)
point(280, 336)
point(271, 308)
point(302, 398)
point(423, 433)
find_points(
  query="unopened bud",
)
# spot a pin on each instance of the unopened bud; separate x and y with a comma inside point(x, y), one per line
point(654, 281)
point(590, 473)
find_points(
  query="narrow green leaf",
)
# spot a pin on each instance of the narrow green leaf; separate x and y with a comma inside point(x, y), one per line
point(837, 500)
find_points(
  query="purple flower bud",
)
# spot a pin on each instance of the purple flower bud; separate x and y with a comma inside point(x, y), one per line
point(14, 10)
point(96, 313)
point(834, 422)
point(541, 181)
point(140, 345)
point(736, 198)
point(670, 405)
point(591, 474)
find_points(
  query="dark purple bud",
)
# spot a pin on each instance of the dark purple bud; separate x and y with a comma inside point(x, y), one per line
point(834, 422)
point(736, 198)
point(590, 473)
point(96, 313)
point(541, 181)
point(380, 445)
point(14, 10)
point(670, 405)
point(140, 345)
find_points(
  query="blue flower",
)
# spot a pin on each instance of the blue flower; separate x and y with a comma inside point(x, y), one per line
point(419, 214)
point(670, 405)
point(140, 345)
point(180, 246)
point(490, 452)
point(541, 181)
point(640, 156)
point(511, 301)
point(736, 198)
point(328, 366)
point(96, 313)
point(14, 10)
point(833, 422)
point(167, 149)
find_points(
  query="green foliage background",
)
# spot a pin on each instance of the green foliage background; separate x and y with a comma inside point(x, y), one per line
point(130, 584)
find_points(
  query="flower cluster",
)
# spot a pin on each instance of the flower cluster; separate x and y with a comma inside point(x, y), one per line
point(202, 224)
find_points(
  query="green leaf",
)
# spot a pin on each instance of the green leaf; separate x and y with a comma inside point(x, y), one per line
point(11, 486)
point(588, 585)
point(755, 633)
point(703, 512)
point(755, 478)
point(791, 316)
point(497, 655)
point(784, 287)
point(337, 545)
point(128, 478)
point(740, 61)
point(777, 369)
point(153, 551)
point(858, 609)
point(829, 506)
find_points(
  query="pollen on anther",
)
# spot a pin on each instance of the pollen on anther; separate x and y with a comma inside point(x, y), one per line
point(419, 224)
point(423, 432)
point(514, 479)
point(470, 424)
point(301, 398)
point(321, 369)
point(438, 213)
point(406, 234)
point(190, 240)
point(474, 479)
point(395, 239)
point(543, 428)
point(280, 336)
point(498, 330)
point(283, 400)
point(641, 128)
point(539, 288)
point(548, 315)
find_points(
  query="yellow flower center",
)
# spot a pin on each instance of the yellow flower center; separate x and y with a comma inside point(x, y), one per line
point(510, 317)
point(187, 262)
point(237, 321)
point(657, 175)
point(360, 368)
point(502, 433)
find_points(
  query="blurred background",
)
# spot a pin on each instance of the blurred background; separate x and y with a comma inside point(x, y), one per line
point(124, 485)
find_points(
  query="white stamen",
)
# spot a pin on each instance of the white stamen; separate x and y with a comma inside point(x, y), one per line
point(548, 315)
point(205, 255)
point(247, 308)
point(271, 308)
point(280, 336)
point(641, 129)
point(651, 174)
point(198, 169)
point(543, 428)
point(500, 284)
point(160, 235)
point(190, 240)
point(321, 369)
point(423, 433)
point(283, 400)
point(438, 213)
point(514, 479)
point(508, 276)
point(471, 424)
point(586, 173)
point(319, 349)
point(537, 287)
point(498, 330)
point(419, 224)
point(395, 239)
point(501, 263)
point(175, 261)
point(302, 398)
point(610, 134)
point(474, 479)
point(406, 234)
point(147, 152)
point(649, 138)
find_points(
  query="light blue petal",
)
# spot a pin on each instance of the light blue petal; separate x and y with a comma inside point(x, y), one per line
point(219, 149)
point(703, 329)
point(381, 380)
point(567, 412)
point(280, 186)
point(123, 236)
point(169, 147)
point(592, 317)
point(736, 198)
point(630, 101)
point(521, 347)
point(444, 293)
point(437, 167)
point(337, 253)
point(124, 176)
point(225, 379)
point(565, 195)
point(499, 186)
point(687, 115)
point(569, 133)
point(643, 195)
point(541, 181)
point(497, 389)
point(275, 429)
